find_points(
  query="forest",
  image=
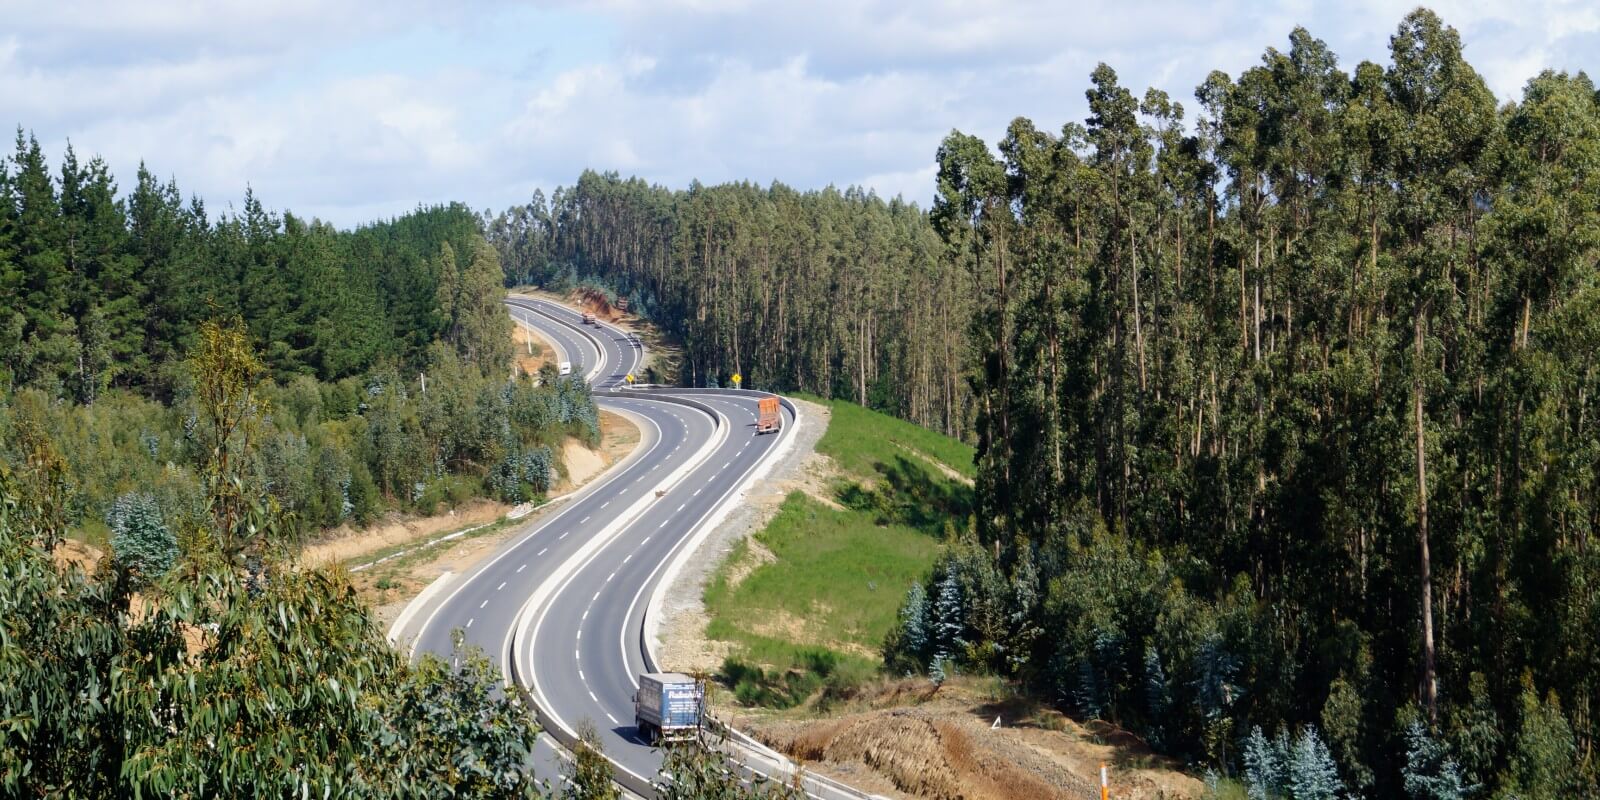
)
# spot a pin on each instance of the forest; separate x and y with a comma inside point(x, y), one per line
point(1285, 454)
point(838, 293)
point(1281, 401)
point(1284, 459)
point(198, 396)
point(104, 295)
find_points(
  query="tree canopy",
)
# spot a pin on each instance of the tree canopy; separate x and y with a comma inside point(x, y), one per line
point(1284, 417)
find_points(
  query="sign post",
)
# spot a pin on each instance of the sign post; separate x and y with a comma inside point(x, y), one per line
point(737, 379)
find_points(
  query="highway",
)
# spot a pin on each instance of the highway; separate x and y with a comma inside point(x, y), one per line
point(562, 606)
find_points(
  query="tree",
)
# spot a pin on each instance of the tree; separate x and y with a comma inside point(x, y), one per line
point(589, 773)
point(1430, 773)
point(1266, 769)
point(1312, 773)
point(223, 681)
point(914, 637)
point(693, 771)
point(140, 540)
point(949, 620)
point(227, 378)
point(1544, 756)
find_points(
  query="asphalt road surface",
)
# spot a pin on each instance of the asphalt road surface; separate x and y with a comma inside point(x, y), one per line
point(562, 606)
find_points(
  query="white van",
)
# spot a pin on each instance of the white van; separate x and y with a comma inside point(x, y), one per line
point(564, 367)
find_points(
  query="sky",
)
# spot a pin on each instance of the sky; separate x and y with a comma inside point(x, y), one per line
point(356, 111)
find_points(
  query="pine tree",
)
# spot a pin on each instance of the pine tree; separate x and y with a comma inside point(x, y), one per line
point(949, 619)
point(914, 622)
point(1266, 767)
point(140, 541)
point(1312, 773)
point(1429, 772)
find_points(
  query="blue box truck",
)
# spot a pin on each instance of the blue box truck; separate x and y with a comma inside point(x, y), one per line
point(667, 707)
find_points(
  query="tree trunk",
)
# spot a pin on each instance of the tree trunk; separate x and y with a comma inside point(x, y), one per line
point(1430, 687)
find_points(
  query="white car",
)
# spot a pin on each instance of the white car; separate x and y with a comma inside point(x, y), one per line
point(564, 367)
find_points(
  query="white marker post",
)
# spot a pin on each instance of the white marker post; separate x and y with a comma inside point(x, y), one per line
point(1105, 786)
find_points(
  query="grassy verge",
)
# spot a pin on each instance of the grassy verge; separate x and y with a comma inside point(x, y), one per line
point(859, 440)
point(823, 606)
point(423, 548)
point(808, 602)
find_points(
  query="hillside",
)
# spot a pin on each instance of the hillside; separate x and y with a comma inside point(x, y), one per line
point(801, 609)
point(817, 589)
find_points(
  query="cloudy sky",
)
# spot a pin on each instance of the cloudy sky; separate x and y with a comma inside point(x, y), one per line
point(353, 111)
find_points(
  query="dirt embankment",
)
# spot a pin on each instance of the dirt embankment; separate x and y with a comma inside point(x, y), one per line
point(346, 544)
point(902, 739)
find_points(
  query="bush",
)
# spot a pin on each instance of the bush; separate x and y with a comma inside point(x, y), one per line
point(813, 668)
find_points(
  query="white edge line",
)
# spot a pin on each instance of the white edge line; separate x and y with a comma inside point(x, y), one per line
point(616, 470)
point(689, 544)
point(526, 630)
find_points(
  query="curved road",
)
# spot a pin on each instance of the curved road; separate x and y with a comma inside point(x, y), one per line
point(562, 606)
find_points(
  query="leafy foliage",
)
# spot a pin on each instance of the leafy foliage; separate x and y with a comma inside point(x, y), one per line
point(589, 773)
point(1300, 396)
point(695, 771)
point(233, 684)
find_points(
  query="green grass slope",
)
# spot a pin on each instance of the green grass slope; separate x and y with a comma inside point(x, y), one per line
point(816, 611)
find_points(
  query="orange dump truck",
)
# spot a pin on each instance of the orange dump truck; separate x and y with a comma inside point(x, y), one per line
point(767, 421)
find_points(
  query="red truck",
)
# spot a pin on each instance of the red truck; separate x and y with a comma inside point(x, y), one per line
point(767, 420)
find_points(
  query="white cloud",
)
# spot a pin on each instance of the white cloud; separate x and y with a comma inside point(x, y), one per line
point(351, 109)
